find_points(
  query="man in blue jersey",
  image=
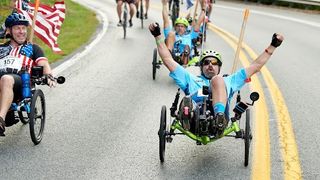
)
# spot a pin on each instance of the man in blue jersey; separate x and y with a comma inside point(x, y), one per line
point(180, 36)
point(222, 88)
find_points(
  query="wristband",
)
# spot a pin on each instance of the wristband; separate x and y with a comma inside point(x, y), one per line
point(158, 41)
point(266, 50)
point(204, 10)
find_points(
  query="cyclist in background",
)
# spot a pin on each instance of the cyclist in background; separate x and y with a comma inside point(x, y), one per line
point(209, 2)
point(180, 32)
point(119, 10)
point(147, 4)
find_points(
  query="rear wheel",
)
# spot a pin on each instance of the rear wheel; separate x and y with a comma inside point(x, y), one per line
point(37, 116)
point(247, 138)
point(175, 12)
point(162, 133)
point(141, 13)
point(125, 17)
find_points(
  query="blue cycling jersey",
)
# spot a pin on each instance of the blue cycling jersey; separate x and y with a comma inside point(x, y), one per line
point(185, 39)
point(190, 84)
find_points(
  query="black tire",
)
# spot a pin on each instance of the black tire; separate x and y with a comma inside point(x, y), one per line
point(247, 138)
point(23, 117)
point(125, 18)
point(196, 120)
point(154, 63)
point(175, 12)
point(37, 116)
point(162, 133)
point(141, 13)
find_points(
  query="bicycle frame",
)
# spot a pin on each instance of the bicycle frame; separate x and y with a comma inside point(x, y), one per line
point(234, 127)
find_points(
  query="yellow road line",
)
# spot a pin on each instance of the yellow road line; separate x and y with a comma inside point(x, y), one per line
point(261, 149)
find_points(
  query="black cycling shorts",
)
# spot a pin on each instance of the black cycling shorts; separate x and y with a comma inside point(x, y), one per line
point(17, 86)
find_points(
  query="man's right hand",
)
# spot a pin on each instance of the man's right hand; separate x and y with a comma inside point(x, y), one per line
point(155, 29)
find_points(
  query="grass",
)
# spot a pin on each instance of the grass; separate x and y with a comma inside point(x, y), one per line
point(79, 25)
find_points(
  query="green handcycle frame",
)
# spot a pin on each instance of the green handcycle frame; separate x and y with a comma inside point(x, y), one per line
point(165, 135)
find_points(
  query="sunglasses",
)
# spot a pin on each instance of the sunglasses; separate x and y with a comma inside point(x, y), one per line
point(212, 61)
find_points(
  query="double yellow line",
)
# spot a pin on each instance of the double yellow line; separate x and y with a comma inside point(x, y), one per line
point(261, 154)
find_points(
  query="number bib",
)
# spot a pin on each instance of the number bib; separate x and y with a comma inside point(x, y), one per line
point(10, 62)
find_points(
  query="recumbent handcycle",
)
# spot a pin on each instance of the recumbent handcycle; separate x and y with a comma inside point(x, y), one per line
point(198, 122)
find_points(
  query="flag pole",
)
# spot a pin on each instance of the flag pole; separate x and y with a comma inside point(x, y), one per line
point(35, 13)
point(236, 58)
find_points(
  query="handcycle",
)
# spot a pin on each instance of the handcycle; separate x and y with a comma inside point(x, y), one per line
point(198, 123)
point(177, 56)
point(32, 109)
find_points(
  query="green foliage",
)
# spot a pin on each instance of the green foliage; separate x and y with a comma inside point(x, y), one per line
point(79, 25)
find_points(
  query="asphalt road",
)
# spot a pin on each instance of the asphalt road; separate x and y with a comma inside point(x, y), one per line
point(103, 122)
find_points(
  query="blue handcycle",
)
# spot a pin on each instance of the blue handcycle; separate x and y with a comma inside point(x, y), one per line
point(32, 109)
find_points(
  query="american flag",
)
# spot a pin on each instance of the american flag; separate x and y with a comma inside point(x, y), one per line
point(48, 22)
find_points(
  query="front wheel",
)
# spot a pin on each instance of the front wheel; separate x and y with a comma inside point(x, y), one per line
point(37, 116)
point(247, 138)
point(162, 133)
point(154, 63)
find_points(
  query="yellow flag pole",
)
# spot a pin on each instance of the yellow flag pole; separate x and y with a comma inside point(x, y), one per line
point(35, 13)
point(236, 59)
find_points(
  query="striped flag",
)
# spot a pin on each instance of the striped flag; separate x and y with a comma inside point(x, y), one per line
point(48, 22)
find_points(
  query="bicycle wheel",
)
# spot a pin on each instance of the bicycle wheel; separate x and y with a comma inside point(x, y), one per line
point(141, 13)
point(23, 116)
point(125, 17)
point(154, 63)
point(175, 12)
point(247, 138)
point(37, 116)
point(162, 133)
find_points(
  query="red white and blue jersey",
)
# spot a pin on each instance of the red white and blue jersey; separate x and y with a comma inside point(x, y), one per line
point(12, 59)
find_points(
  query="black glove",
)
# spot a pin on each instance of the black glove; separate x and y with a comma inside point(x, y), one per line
point(275, 41)
point(156, 31)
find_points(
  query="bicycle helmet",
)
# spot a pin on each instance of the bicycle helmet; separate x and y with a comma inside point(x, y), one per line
point(210, 53)
point(182, 20)
point(16, 19)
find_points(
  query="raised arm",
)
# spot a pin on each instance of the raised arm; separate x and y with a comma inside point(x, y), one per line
point(165, 14)
point(262, 59)
point(162, 48)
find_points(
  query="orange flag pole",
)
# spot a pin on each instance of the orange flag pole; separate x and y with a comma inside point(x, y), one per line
point(35, 13)
point(236, 59)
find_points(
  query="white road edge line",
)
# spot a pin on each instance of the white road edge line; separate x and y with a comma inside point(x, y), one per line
point(314, 24)
point(68, 63)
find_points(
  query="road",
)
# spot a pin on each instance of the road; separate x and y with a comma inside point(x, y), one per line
point(103, 122)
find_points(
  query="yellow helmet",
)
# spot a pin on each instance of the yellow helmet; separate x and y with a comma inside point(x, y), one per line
point(182, 20)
